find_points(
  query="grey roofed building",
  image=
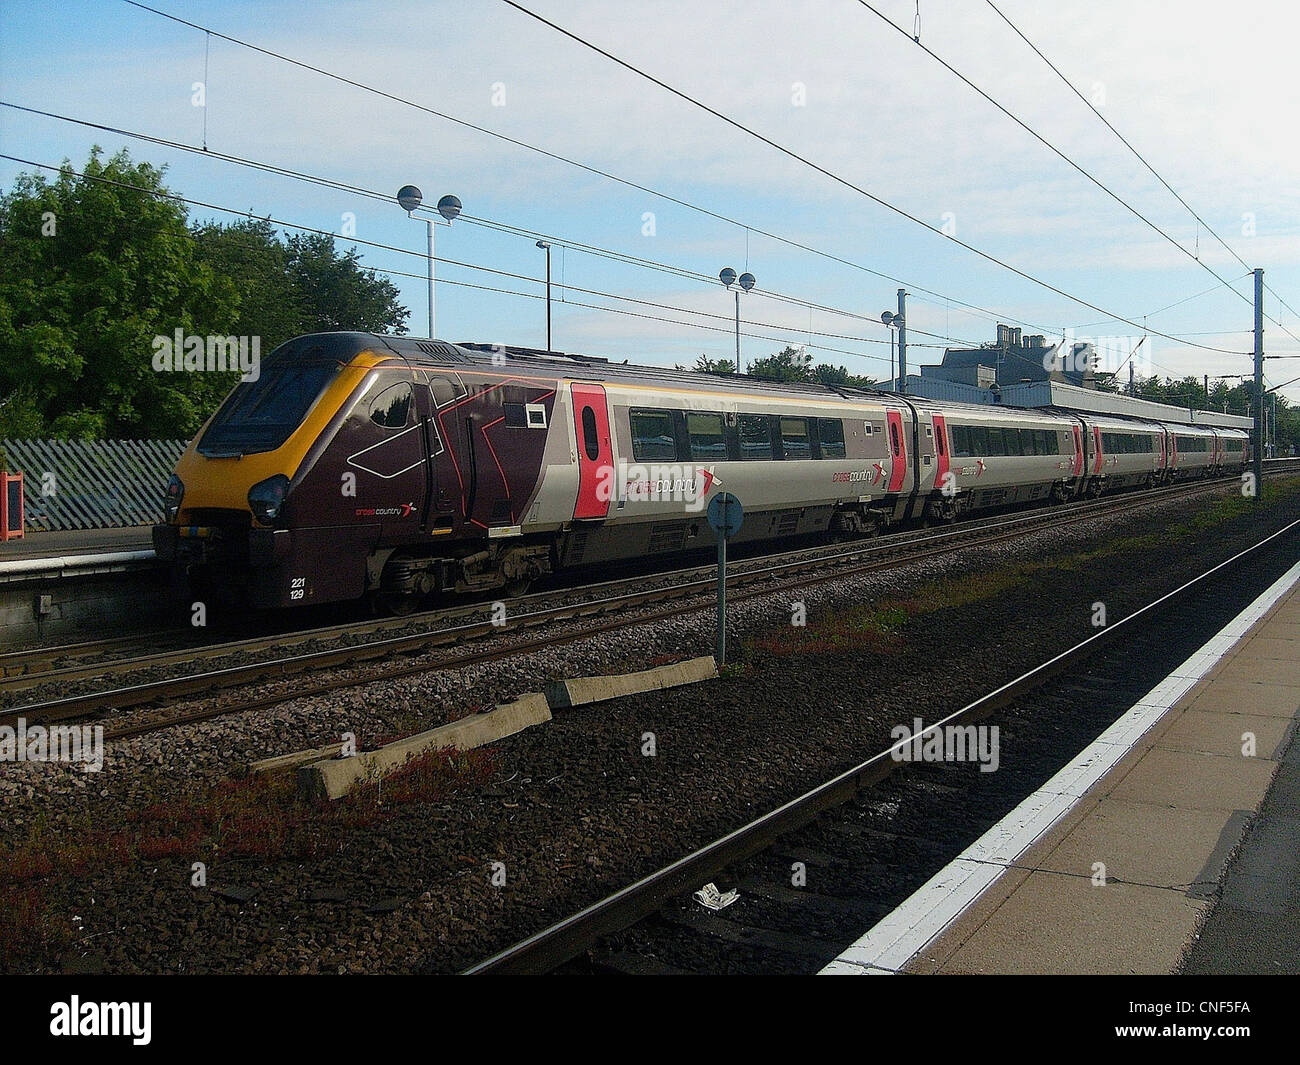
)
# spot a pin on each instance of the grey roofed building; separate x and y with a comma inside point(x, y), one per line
point(1014, 359)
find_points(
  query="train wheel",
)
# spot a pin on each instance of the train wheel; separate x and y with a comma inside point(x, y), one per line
point(519, 587)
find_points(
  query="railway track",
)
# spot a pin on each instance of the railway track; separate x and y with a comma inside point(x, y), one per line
point(608, 606)
point(37, 666)
point(845, 828)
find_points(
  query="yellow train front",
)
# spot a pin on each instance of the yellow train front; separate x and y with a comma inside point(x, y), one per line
point(356, 465)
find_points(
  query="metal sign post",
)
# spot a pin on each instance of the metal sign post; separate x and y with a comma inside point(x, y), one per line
point(725, 516)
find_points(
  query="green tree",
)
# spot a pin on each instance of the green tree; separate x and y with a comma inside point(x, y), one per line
point(794, 364)
point(337, 292)
point(704, 364)
point(92, 269)
point(788, 364)
point(839, 377)
point(251, 254)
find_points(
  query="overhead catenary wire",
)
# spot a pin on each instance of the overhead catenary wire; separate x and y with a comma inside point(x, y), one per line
point(1201, 222)
point(839, 179)
point(253, 216)
point(356, 190)
point(993, 315)
point(1053, 148)
point(749, 227)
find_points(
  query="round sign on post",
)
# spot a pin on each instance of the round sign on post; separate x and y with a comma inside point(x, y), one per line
point(725, 514)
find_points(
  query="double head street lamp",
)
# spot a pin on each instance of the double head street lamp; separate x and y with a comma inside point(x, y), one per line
point(897, 382)
point(746, 281)
point(409, 197)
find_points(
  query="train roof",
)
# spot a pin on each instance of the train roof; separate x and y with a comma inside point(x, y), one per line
point(440, 354)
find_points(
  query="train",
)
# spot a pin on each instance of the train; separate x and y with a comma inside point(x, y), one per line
point(399, 469)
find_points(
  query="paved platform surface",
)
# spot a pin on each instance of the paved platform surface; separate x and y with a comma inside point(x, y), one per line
point(77, 542)
point(1128, 874)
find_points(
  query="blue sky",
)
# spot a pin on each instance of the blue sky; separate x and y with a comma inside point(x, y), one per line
point(1207, 94)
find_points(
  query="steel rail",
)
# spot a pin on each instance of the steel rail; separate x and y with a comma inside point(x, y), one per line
point(171, 688)
point(564, 940)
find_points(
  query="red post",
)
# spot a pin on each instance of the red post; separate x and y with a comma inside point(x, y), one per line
point(11, 506)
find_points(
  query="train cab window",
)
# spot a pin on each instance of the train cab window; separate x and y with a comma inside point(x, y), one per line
point(590, 441)
point(261, 415)
point(708, 439)
point(830, 433)
point(652, 435)
point(795, 440)
point(755, 437)
point(515, 418)
point(444, 391)
point(391, 408)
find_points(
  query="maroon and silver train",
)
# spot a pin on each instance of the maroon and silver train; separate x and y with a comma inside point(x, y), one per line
point(366, 465)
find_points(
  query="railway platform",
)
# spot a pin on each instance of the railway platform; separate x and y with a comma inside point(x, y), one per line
point(55, 584)
point(1171, 844)
point(75, 543)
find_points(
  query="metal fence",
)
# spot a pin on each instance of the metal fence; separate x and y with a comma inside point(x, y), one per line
point(92, 484)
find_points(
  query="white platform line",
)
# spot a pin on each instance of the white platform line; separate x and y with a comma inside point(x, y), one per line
point(898, 937)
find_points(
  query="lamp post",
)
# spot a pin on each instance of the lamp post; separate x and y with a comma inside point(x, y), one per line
point(746, 281)
point(546, 246)
point(893, 321)
point(409, 198)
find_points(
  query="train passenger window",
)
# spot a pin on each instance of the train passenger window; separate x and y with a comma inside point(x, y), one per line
point(515, 415)
point(391, 408)
point(590, 441)
point(652, 435)
point(960, 442)
point(755, 437)
point(795, 439)
point(1011, 441)
point(830, 432)
point(708, 443)
point(979, 440)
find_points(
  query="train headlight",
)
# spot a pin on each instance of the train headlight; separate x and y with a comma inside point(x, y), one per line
point(267, 497)
point(172, 501)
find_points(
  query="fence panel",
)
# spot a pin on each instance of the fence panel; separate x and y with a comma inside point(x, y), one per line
point(92, 484)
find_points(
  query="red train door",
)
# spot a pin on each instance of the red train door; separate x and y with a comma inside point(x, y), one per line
point(595, 452)
point(1078, 452)
point(940, 449)
point(898, 449)
point(1098, 458)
